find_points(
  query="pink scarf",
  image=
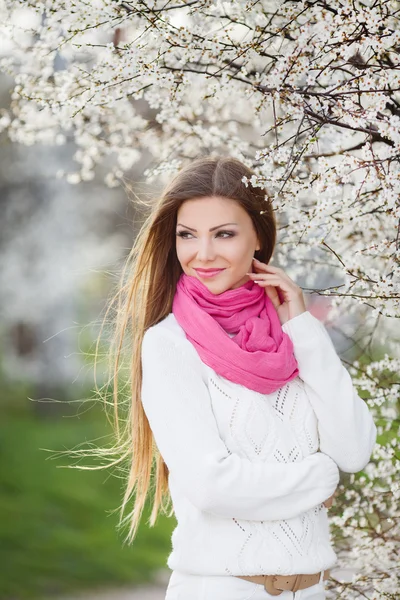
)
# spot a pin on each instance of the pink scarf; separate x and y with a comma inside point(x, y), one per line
point(260, 355)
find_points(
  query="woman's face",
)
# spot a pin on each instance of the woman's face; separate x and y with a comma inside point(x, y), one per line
point(229, 246)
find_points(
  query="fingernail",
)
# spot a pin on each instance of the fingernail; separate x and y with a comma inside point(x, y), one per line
point(254, 258)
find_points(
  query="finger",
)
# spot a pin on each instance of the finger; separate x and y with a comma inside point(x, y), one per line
point(277, 273)
point(273, 295)
point(280, 276)
point(265, 267)
point(275, 270)
point(263, 280)
point(328, 502)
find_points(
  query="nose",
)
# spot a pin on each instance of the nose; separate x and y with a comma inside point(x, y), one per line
point(205, 252)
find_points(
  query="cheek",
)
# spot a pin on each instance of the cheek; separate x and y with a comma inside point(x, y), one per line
point(183, 254)
point(240, 254)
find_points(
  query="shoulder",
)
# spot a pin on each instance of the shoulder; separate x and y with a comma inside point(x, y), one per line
point(166, 343)
point(168, 339)
point(166, 329)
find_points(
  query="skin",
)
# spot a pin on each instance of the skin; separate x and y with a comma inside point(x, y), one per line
point(216, 249)
point(232, 247)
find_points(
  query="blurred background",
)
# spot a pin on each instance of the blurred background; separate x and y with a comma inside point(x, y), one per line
point(61, 248)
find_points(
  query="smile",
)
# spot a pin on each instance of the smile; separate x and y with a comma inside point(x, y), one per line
point(206, 273)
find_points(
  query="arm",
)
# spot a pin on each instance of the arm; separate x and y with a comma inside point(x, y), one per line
point(347, 431)
point(177, 404)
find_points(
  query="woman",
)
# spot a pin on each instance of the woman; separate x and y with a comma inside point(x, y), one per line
point(242, 400)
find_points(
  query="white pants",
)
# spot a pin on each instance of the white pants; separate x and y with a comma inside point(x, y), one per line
point(183, 586)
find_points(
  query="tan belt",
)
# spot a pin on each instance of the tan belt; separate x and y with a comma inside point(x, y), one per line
point(276, 584)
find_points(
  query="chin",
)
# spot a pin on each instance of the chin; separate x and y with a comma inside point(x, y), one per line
point(219, 288)
point(214, 287)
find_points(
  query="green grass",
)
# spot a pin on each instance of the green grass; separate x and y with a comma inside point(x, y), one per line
point(57, 531)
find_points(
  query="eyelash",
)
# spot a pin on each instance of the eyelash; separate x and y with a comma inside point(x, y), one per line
point(230, 234)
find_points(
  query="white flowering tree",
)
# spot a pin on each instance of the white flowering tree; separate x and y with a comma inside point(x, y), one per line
point(307, 93)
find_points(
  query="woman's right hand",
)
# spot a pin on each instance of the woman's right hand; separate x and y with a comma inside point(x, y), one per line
point(328, 475)
point(328, 503)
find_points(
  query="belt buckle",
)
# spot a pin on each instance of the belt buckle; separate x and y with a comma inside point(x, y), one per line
point(269, 586)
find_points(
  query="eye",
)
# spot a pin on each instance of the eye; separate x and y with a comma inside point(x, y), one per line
point(229, 234)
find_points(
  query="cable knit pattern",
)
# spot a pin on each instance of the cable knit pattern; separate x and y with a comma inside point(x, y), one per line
point(249, 471)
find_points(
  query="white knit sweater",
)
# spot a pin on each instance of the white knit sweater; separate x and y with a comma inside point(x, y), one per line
point(249, 471)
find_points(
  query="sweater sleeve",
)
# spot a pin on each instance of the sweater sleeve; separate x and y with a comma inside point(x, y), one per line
point(346, 428)
point(177, 404)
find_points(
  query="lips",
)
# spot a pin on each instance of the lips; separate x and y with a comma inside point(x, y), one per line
point(208, 272)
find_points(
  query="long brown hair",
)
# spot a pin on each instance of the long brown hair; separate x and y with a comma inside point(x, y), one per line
point(144, 297)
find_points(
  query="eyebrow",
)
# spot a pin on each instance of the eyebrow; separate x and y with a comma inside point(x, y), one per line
point(211, 229)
